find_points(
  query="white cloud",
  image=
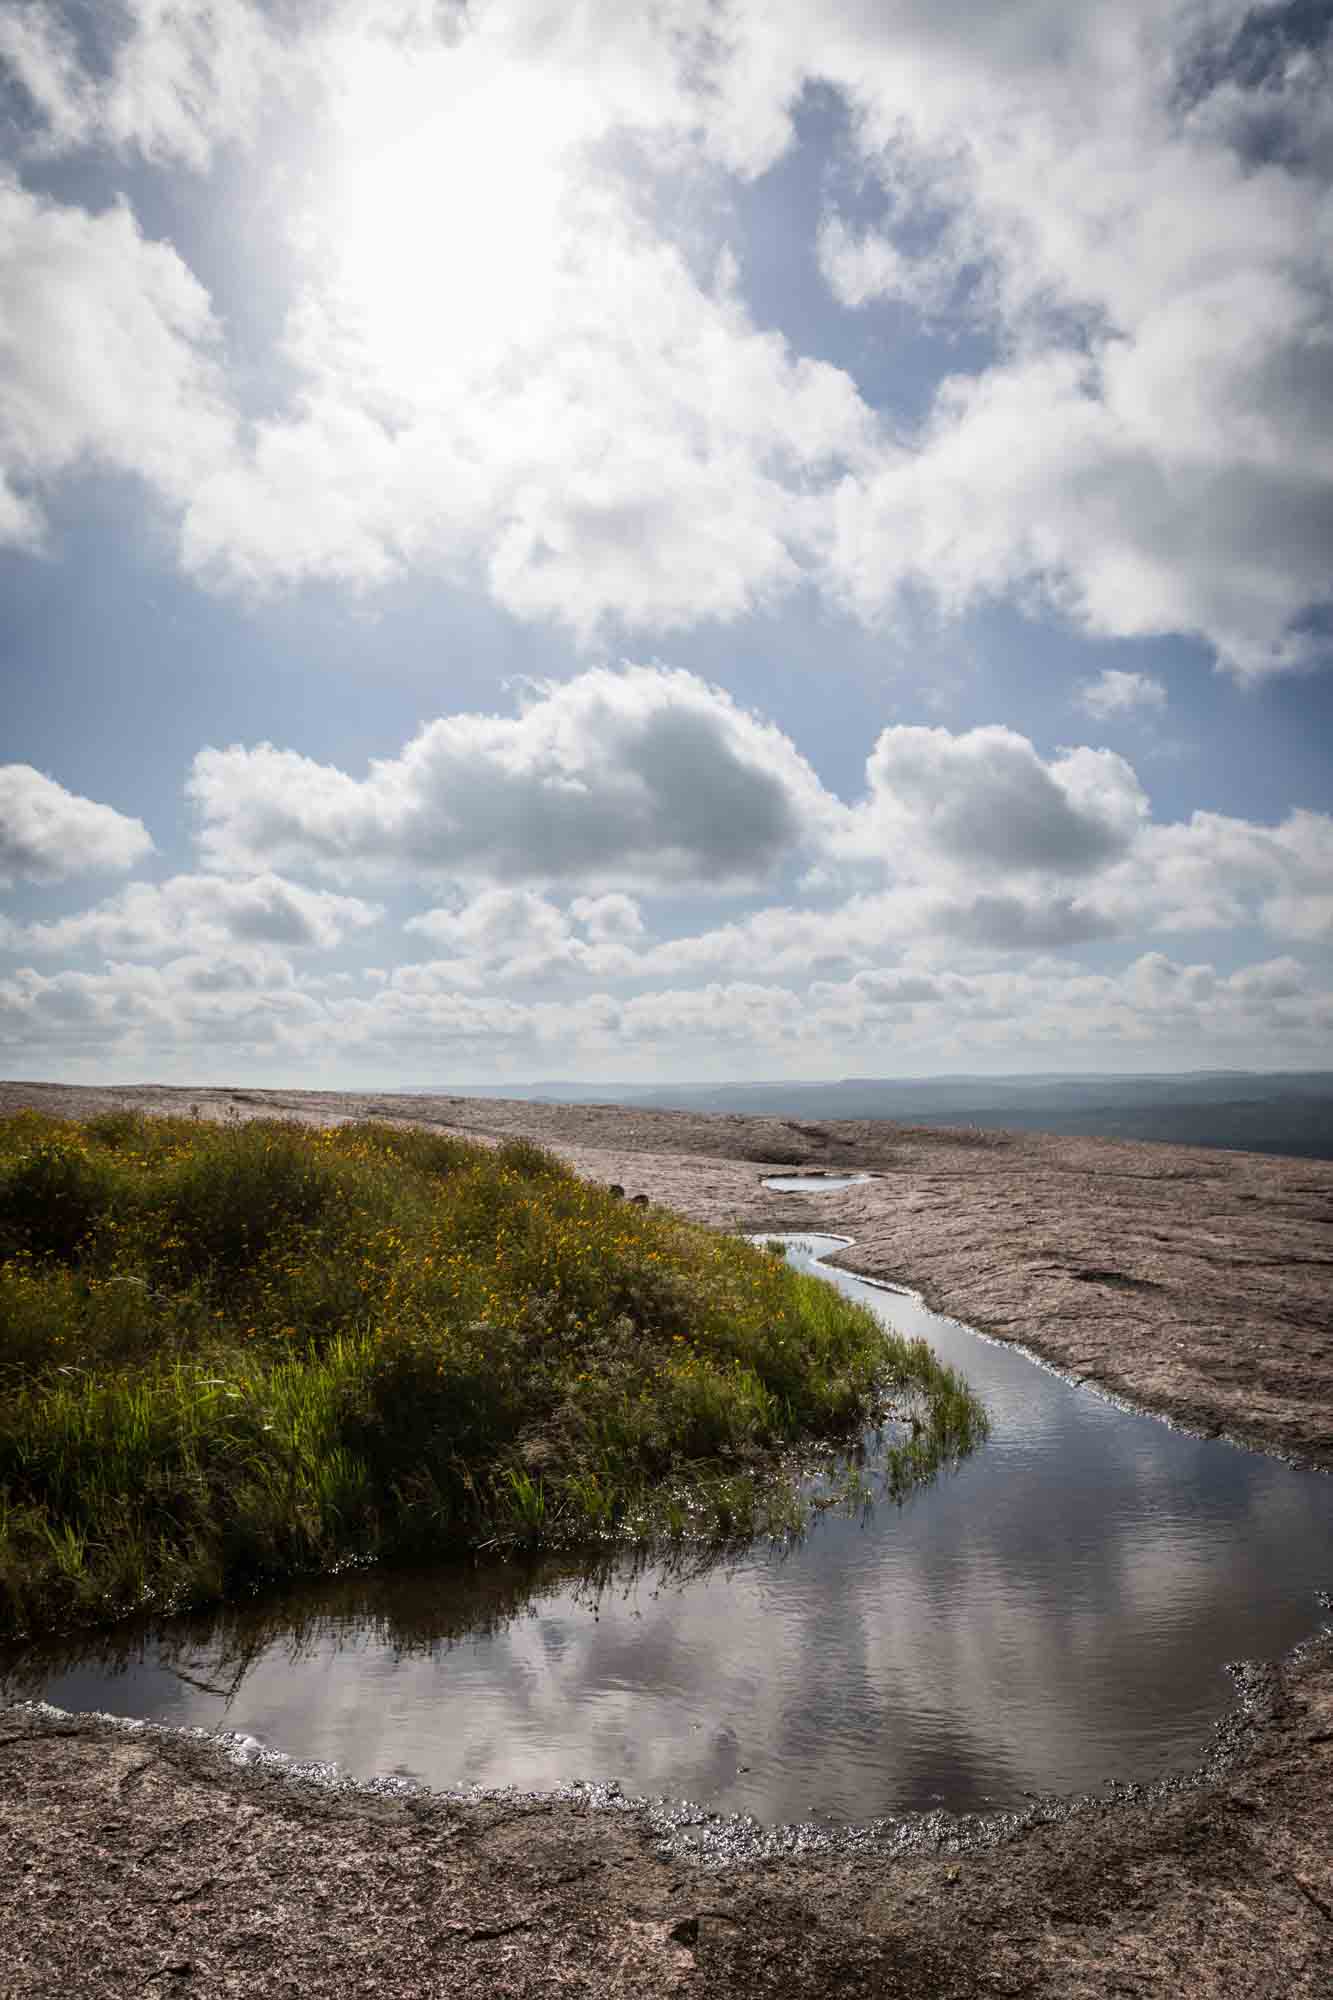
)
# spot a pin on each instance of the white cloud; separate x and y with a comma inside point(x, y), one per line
point(1158, 982)
point(859, 268)
point(986, 850)
point(514, 935)
point(1009, 922)
point(779, 941)
point(238, 1004)
point(106, 355)
point(1148, 451)
point(607, 919)
point(544, 391)
point(620, 441)
point(41, 54)
point(917, 919)
point(1277, 979)
point(972, 871)
point(495, 923)
point(176, 77)
point(47, 833)
point(550, 400)
point(1214, 872)
point(984, 802)
point(632, 777)
point(198, 1010)
point(508, 936)
point(1115, 692)
point(1155, 1002)
point(889, 991)
point(206, 913)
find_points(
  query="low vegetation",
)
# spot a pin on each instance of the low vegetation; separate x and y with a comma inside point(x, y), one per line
point(235, 1353)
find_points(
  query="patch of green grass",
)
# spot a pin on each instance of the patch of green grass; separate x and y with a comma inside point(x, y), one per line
point(235, 1353)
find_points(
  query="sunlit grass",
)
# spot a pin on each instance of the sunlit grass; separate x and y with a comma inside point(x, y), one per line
point(234, 1354)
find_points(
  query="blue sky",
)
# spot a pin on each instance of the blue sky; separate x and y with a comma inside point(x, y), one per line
point(711, 539)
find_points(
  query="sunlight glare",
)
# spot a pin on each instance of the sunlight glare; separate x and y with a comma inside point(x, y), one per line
point(442, 230)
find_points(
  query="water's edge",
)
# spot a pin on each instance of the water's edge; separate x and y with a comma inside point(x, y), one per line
point(1117, 1398)
point(688, 1830)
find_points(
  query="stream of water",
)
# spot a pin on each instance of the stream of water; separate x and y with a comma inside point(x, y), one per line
point(1057, 1612)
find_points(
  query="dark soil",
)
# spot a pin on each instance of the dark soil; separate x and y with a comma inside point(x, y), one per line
point(1195, 1283)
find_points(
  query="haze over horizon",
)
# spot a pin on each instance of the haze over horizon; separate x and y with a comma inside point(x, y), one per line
point(689, 542)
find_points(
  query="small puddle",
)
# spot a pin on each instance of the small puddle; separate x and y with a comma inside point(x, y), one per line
point(813, 1183)
point(1057, 1612)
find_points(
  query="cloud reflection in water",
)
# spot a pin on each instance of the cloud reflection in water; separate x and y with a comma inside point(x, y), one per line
point(1057, 1611)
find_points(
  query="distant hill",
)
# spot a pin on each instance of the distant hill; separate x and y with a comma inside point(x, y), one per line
point(1285, 1112)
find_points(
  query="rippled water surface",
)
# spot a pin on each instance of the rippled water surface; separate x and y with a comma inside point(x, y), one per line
point(1057, 1612)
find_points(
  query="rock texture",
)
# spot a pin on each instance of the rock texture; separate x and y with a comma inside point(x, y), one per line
point(149, 1863)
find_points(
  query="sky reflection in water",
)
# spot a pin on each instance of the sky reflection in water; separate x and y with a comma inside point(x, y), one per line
point(1058, 1611)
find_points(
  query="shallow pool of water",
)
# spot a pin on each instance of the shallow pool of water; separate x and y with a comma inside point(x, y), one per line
point(1057, 1612)
point(813, 1183)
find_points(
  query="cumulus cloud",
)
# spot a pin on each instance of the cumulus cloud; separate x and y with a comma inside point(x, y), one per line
point(107, 355)
point(984, 801)
point(971, 841)
point(198, 913)
point(783, 942)
point(241, 1004)
point(893, 990)
point(1017, 923)
point(1147, 451)
point(967, 953)
point(493, 924)
point(1115, 692)
point(1154, 1003)
point(986, 848)
point(507, 936)
point(1277, 979)
point(645, 775)
point(890, 1018)
point(48, 833)
point(957, 895)
point(1213, 872)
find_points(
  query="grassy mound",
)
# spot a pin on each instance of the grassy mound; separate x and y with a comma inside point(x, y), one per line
point(236, 1353)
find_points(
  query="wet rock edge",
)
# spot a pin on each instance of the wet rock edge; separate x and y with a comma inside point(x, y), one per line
point(1223, 1872)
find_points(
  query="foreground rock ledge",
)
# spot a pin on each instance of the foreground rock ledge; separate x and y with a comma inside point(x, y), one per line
point(142, 1862)
point(1196, 1284)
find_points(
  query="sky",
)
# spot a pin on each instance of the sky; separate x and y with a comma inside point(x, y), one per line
point(664, 539)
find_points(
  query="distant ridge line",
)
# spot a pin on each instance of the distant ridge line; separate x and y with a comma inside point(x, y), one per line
point(1288, 1112)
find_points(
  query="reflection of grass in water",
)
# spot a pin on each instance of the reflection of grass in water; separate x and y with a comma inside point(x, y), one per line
point(945, 1422)
point(918, 1435)
point(409, 1610)
point(232, 1355)
point(417, 1612)
point(926, 1426)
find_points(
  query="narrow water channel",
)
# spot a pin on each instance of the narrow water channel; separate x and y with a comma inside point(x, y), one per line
point(1057, 1612)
